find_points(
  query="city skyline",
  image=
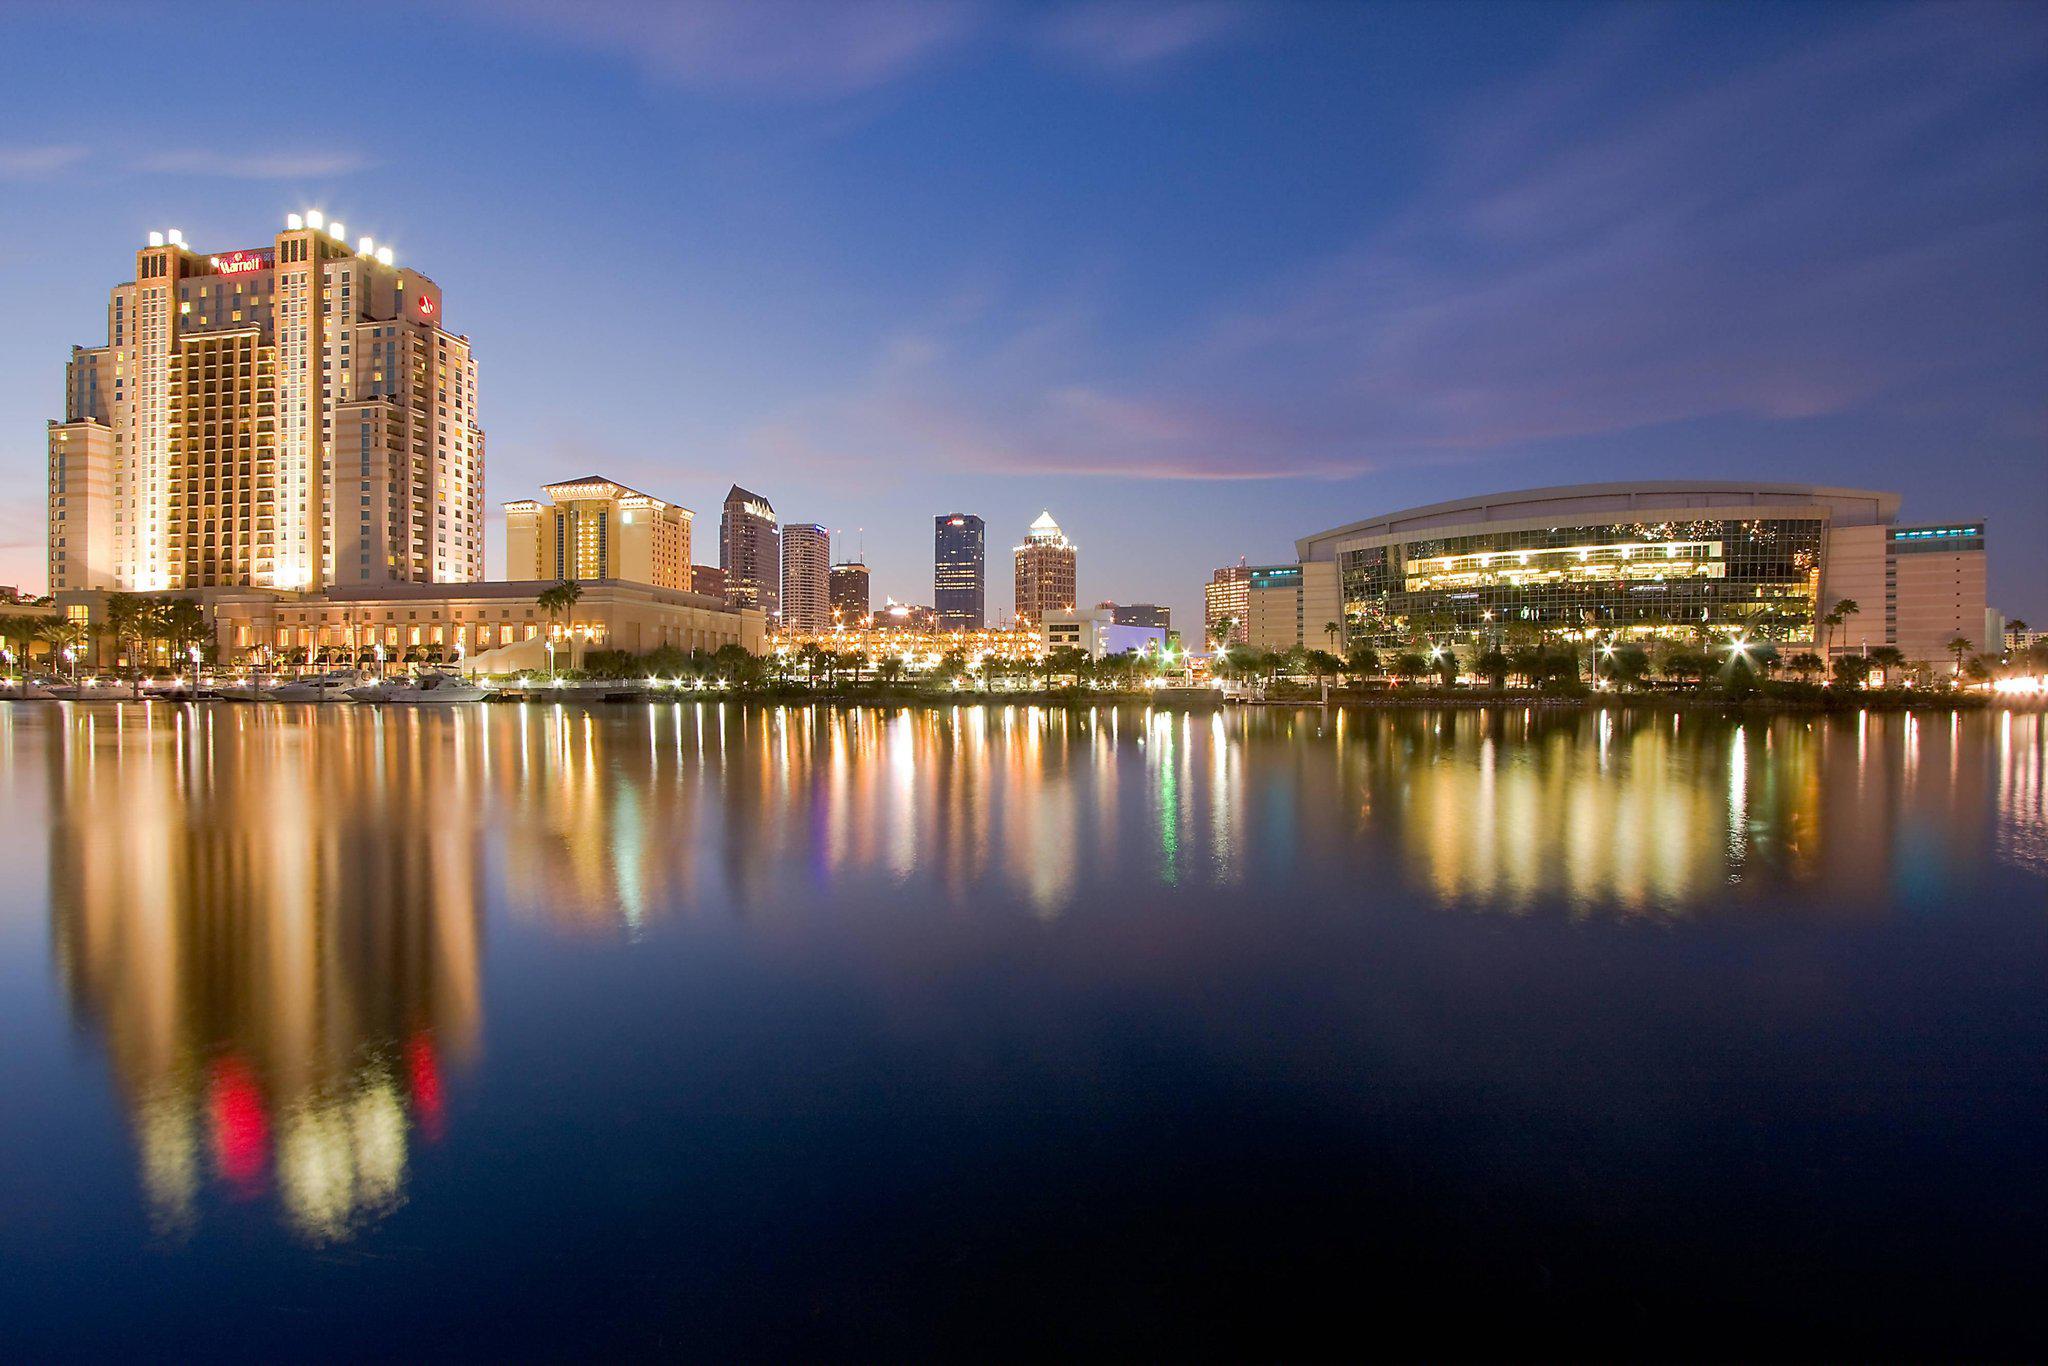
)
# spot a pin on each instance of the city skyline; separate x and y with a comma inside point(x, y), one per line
point(1132, 345)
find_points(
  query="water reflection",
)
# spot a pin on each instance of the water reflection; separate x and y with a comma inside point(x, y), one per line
point(272, 916)
point(275, 928)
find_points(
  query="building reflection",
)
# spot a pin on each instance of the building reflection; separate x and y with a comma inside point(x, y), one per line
point(272, 915)
point(613, 820)
point(275, 929)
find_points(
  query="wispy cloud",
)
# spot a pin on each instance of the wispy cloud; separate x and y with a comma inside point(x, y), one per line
point(1139, 35)
point(35, 162)
point(1855, 227)
point(282, 165)
point(782, 49)
point(1833, 229)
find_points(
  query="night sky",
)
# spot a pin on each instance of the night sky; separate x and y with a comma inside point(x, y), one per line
point(1198, 278)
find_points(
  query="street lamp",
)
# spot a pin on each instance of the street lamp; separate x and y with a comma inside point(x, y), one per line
point(71, 658)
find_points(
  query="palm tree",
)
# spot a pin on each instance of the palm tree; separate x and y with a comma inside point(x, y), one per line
point(1837, 616)
point(61, 633)
point(1335, 632)
point(558, 602)
point(1891, 659)
point(129, 619)
point(1959, 646)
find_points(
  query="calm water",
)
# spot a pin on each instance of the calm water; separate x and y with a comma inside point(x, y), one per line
point(780, 1033)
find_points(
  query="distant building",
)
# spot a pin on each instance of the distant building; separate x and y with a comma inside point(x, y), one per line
point(850, 592)
point(592, 529)
point(906, 616)
point(806, 576)
point(959, 570)
point(1224, 604)
point(9, 593)
point(1138, 614)
point(1046, 570)
point(1098, 634)
point(750, 551)
point(708, 580)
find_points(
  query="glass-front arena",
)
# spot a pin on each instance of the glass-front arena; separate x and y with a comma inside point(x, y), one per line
point(1613, 561)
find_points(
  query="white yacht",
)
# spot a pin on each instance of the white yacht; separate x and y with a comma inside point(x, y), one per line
point(254, 688)
point(84, 690)
point(327, 687)
point(422, 689)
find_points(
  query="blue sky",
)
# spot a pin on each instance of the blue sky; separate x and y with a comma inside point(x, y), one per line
point(1199, 278)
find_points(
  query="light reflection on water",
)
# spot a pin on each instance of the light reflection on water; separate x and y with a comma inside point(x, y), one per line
point(273, 919)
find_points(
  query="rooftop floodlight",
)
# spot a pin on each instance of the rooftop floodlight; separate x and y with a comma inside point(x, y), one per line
point(294, 221)
point(156, 239)
point(367, 246)
point(383, 256)
point(337, 232)
point(174, 237)
point(315, 219)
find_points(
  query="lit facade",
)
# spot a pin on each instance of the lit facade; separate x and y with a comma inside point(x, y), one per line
point(1097, 634)
point(1671, 560)
point(960, 570)
point(1224, 603)
point(485, 625)
point(750, 551)
point(287, 416)
point(849, 592)
point(1935, 590)
point(912, 639)
point(1046, 570)
point(594, 529)
point(1290, 606)
point(806, 576)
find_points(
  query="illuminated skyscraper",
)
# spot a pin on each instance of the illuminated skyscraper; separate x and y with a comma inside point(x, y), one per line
point(850, 592)
point(286, 416)
point(1225, 599)
point(750, 551)
point(1045, 570)
point(806, 577)
point(959, 570)
point(593, 528)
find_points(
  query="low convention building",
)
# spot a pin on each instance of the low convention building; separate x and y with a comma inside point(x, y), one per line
point(1668, 559)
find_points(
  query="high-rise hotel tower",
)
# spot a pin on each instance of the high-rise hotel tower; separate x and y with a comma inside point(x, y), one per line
point(287, 416)
point(1045, 571)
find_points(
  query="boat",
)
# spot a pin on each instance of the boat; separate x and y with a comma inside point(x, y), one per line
point(23, 690)
point(422, 689)
point(254, 688)
point(83, 690)
point(327, 687)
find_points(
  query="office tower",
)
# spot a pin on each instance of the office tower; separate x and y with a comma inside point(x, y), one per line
point(708, 580)
point(1139, 614)
point(806, 577)
point(850, 592)
point(750, 551)
point(286, 416)
point(1224, 600)
point(959, 570)
point(594, 528)
point(1045, 570)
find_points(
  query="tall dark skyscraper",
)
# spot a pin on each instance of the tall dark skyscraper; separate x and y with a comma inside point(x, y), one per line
point(750, 551)
point(959, 571)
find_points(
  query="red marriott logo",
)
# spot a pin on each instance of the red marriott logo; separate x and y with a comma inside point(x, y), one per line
point(242, 262)
point(427, 306)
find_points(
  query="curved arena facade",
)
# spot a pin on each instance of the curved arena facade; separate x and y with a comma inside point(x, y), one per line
point(1673, 560)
